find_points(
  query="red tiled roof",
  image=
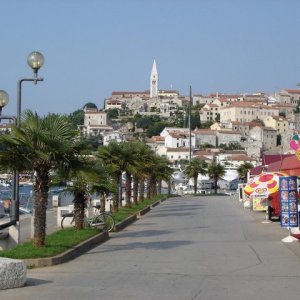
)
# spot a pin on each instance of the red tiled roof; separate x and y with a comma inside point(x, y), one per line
point(157, 138)
point(203, 153)
point(267, 159)
point(293, 91)
point(228, 132)
point(129, 92)
point(291, 162)
point(275, 166)
point(205, 131)
point(182, 149)
point(241, 157)
point(256, 170)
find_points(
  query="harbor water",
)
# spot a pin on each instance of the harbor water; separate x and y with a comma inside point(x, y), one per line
point(26, 196)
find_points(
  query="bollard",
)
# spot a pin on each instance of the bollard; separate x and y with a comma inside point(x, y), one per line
point(55, 201)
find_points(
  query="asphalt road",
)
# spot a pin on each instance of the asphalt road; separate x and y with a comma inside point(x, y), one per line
point(187, 248)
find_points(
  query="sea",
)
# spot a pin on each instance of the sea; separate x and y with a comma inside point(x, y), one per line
point(26, 195)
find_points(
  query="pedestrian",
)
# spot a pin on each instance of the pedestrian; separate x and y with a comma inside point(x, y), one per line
point(6, 206)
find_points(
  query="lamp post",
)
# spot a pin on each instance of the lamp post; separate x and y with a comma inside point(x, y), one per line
point(35, 60)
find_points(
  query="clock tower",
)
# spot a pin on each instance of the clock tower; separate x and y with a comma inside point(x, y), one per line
point(153, 81)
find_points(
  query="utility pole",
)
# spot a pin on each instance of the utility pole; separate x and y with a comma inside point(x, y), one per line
point(190, 129)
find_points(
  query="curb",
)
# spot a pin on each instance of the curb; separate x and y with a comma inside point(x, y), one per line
point(69, 254)
point(125, 222)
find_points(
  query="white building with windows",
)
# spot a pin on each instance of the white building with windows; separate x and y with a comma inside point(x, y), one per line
point(246, 112)
point(95, 122)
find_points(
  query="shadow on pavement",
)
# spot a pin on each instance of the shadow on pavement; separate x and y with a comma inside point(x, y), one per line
point(161, 245)
point(35, 282)
point(143, 233)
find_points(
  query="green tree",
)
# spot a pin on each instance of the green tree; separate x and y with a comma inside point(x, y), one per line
point(244, 169)
point(39, 145)
point(88, 176)
point(76, 118)
point(216, 171)
point(113, 159)
point(141, 153)
point(90, 105)
point(112, 113)
point(129, 164)
point(196, 167)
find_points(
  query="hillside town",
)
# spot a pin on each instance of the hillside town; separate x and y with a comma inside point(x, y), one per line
point(232, 128)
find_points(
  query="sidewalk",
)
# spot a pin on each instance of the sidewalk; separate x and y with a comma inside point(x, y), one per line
point(26, 227)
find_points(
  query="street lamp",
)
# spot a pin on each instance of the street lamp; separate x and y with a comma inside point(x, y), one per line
point(35, 60)
point(3, 100)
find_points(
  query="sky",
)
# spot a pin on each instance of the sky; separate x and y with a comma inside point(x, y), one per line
point(95, 47)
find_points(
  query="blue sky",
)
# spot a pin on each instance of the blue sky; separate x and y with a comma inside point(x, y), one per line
point(94, 47)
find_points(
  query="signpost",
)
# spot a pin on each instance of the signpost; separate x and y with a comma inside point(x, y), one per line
point(288, 204)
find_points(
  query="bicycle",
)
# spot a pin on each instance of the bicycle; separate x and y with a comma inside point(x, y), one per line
point(99, 219)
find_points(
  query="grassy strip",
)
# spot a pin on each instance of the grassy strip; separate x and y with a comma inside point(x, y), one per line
point(124, 212)
point(65, 239)
point(55, 243)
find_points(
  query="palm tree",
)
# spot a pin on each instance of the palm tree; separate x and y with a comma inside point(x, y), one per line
point(141, 153)
point(129, 165)
point(216, 171)
point(111, 156)
point(154, 169)
point(163, 173)
point(87, 177)
point(244, 169)
point(197, 166)
point(39, 145)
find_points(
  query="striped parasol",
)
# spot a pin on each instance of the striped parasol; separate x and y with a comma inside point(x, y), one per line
point(264, 184)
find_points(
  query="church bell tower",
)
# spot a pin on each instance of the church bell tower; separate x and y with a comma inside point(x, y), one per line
point(154, 81)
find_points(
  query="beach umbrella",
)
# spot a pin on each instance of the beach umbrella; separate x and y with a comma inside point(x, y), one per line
point(264, 184)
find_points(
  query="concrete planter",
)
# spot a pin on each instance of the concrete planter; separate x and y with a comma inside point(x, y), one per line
point(156, 203)
point(69, 254)
point(125, 223)
point(143, 211)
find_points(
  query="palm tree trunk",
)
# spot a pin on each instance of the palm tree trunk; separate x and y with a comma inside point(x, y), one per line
point(195, 183)
point(152, 186)
point(148, 188)
point(116, 195)
point(159, 186)
point(169, 186)
point(216, 185)
point(135, 189)
point(102, 203)
point(79, 200)
point(41, 188)
point(128, 190)
point(141, 189)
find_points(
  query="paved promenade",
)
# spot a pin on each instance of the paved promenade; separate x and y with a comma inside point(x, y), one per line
point(25, 224)
point(186, 248)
